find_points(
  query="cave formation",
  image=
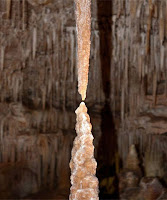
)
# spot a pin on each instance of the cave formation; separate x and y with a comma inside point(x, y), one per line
point(126, 97)
point(83, 164)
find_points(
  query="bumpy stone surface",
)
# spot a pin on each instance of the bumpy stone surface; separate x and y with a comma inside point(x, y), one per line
point(82, 164)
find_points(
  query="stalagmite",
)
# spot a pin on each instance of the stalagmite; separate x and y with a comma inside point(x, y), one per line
point(82, 164)
point(132, 161)
point(83, 21)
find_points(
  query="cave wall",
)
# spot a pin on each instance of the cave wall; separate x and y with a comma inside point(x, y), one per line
point(31, 58)
point(38, 87)
point(138, 87)
point(133, 68)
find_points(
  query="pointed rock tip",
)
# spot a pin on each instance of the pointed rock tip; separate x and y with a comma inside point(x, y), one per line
point(132, 150)
point(83, 95)
point(82, 108)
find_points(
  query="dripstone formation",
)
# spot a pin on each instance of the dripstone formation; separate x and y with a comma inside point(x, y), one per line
point(83, 165)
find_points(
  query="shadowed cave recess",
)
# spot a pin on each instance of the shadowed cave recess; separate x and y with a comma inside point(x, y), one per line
point(126, 97)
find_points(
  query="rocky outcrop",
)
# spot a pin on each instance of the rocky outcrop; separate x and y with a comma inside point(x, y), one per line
point(133, 187)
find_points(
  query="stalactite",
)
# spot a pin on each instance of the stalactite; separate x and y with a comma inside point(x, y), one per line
point(2, 57)
point(52, 169)
point(149, 26)
point(162, 53)
point(72, 54)
point(8, 8)
point(154, 87)
point(83, 21)
point(122, 102)
point(133, 8)
point(43, 97)
point(161, 24)
point(1, 129)
point(23, 14)
point(165, 20)
point(34, 42)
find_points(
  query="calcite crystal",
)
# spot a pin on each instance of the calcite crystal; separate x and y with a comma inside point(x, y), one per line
point(83, 21)
point(82, 164)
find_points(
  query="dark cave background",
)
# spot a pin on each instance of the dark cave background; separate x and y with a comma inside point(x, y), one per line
point(126, 97)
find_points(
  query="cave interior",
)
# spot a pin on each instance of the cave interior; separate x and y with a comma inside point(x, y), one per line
point(126, 97)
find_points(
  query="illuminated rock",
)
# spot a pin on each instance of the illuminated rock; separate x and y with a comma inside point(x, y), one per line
point(83, 165)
